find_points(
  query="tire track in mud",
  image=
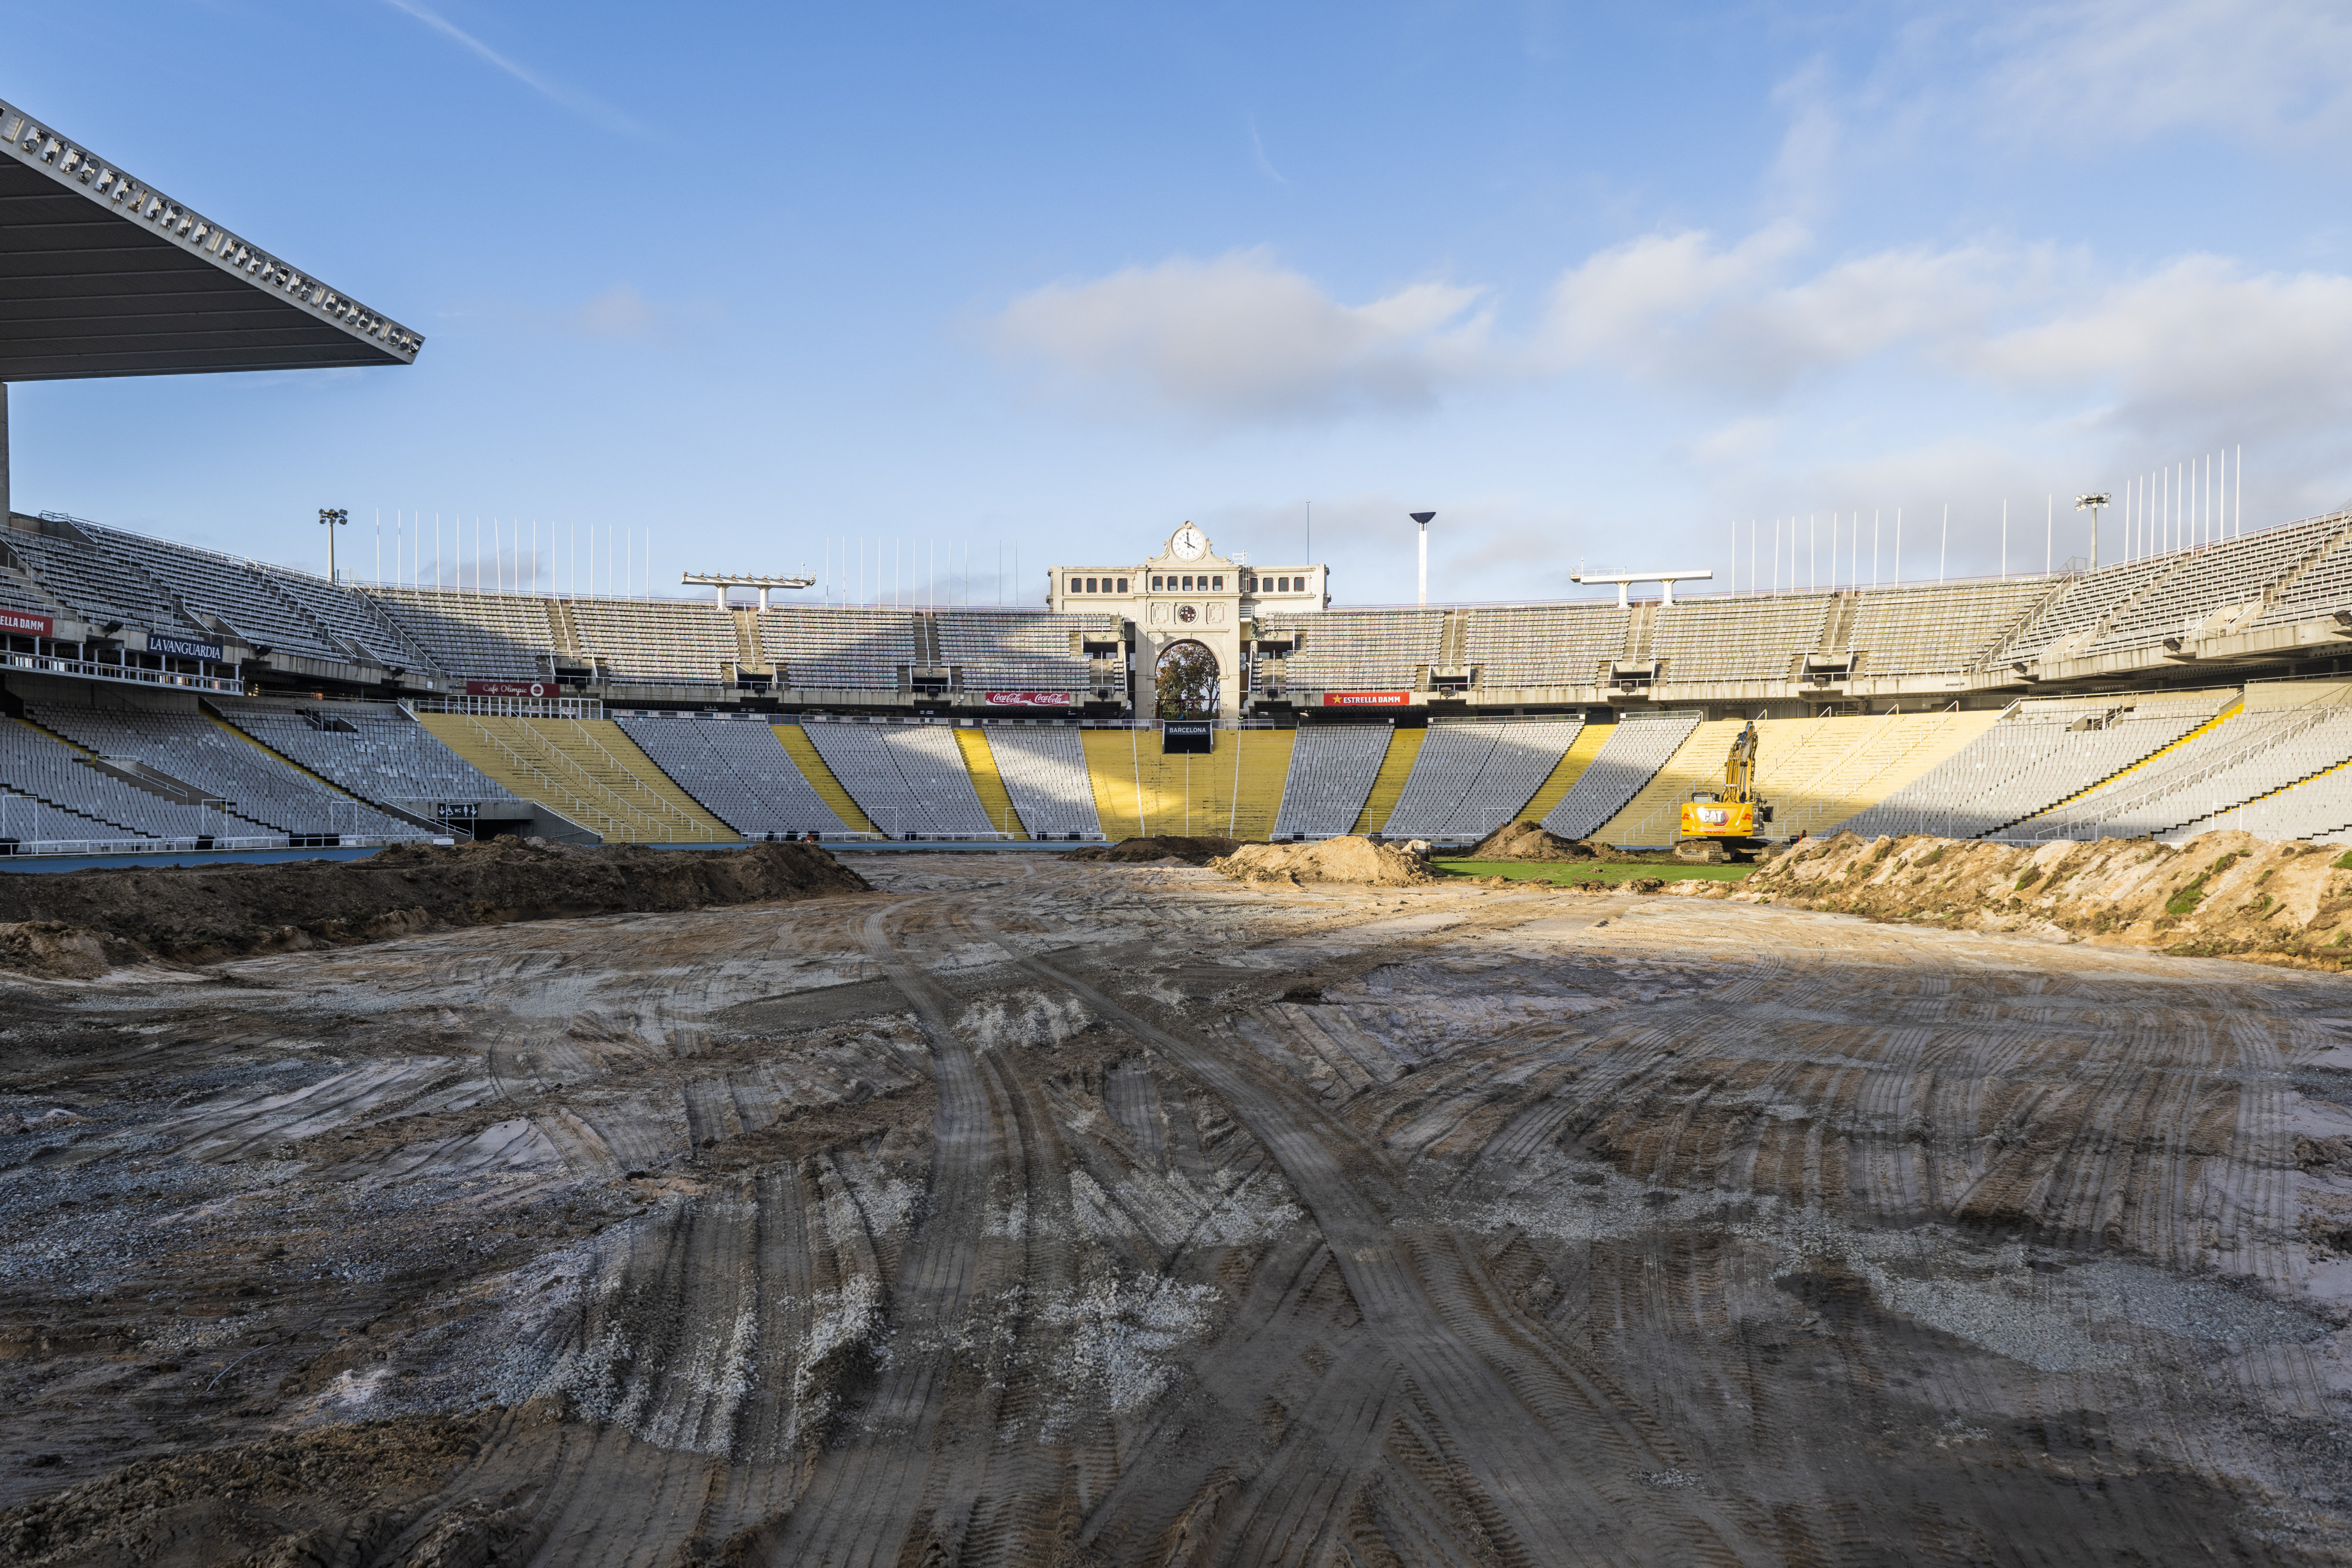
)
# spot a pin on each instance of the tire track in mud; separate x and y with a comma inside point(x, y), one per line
point(1429, 1304)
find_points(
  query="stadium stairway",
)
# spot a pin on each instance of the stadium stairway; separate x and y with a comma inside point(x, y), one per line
point(1653, 817)
point(1566, 772)
point(1891, 751)
point(821, 778)
point(1404, 749)
point(988, 782)
point(586, 771)
point(1230, 792)
point(271, 752)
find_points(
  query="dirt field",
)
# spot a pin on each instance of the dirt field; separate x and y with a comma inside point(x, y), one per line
point(1032, 1211)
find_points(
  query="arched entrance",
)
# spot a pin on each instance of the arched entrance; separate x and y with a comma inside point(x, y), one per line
point(1186, 682)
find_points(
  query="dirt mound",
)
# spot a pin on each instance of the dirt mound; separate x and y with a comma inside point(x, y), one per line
point(78, 923)
point(1161, 846)
point(1530, 841)
point(1350, 859)
point(2220, 894)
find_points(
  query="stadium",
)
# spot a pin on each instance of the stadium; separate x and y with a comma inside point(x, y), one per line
point(744, 1076)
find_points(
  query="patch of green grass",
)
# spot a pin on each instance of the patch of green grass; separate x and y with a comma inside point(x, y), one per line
point(2343, 862)
point(2185, 902)
point(1591, 870)
point(1932, 856)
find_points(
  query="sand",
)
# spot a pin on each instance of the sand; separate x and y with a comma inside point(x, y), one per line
point(1034, 1211)
point(1358, 861)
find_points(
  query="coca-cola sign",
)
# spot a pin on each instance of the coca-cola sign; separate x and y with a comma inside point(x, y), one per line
point(1030, 699)
point(510, 688)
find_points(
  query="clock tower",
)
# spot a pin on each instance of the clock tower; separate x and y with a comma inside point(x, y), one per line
point(1188, 593)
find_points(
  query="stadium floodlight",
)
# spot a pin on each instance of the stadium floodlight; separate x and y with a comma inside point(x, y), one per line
point(1422, 518)
point(2091, 504)
point(331, 519)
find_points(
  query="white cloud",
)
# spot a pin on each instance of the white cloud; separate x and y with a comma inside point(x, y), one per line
point(1242, 338)
point(2127, 69)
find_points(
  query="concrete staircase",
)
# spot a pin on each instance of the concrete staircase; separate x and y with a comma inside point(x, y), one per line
point(587, 770)
point(1404, 749)
point(829, 789)
point(988, 781)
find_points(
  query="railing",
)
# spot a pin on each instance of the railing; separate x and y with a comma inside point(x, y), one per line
point(51, 665)
point(32, 847)
point(508, 707)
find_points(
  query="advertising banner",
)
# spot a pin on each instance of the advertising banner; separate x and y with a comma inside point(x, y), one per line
point(1030, 699)
point(1367, 699)
point(25, 624)
point(182, 647)
point(510, 688)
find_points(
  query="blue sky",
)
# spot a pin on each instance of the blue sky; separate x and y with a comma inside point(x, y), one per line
point(1598, 284)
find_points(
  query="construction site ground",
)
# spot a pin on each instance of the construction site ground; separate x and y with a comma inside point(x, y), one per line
point(1031, 1210)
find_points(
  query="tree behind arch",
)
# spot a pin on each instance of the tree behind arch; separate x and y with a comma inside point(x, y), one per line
point(1187, 682)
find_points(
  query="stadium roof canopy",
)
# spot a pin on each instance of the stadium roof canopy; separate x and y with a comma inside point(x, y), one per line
point(103, 274)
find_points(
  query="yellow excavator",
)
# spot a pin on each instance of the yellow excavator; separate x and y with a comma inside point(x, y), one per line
point(1720, 825)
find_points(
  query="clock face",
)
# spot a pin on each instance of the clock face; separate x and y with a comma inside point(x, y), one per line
point(1190, 543)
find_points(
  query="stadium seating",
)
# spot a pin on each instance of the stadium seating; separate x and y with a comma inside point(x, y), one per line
point(2038, 755)
point(1473, 776)
point(670, 641)
point(1017, 648)
point(382, 756)
point(1748, 638)
point(474, 636)
point(1357, 650)
point(56, 796)
point(1330, 776)
point(588, 771)
point(2322, 586)
point(223, 766)
point(844, 646)
point(2216, 578)
point(1045, 772)
point(1635, 750)
point(224, 587)
point(739, 771)
point(1543, 644)
point(96, 587)
point(2319, 808)
point(2081, 605)
point(1938, 629)
point(909, 777)
point(2253, 751)
point(1234, 791)
point(353, 618)
point(1857, 761)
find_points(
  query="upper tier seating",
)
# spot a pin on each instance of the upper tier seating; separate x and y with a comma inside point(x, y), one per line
point(192, 749)
point(907, 777)
point(224, 587)
point(1544, 645)
point(739, 771)
point(477, 636)
point(1471, 775)
point(1938, 629)
point(95, 586)
point(1332, 769)
point(1358, 650)
point(1045, 772)
point(353, 617)
point(1017, 648)
point(2033, 758)
point(2323, 587)
point(677, 642)
point(1748, 638)
point(18, 592)
point(378, 756)
point(2215, 577)
point(854, 647)
point(1626, 760)
point(2078, 608)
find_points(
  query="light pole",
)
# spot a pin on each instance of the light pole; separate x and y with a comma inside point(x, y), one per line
point(2092, 503)
point(330, 520)
point(1422, 518)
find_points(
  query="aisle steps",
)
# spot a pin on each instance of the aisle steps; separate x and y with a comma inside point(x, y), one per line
point(1566, 772)
point(1404, 749)
point(988, 782)
point(829, 789)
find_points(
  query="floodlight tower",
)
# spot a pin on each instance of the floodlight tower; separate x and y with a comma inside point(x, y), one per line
point(331, 519)
point(2092, 503)
point(1422, 518)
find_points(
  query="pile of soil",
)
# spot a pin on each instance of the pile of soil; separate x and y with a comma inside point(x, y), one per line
point(1530, 842)
point(2220, 894)
point(1349, 860)
point(74, 925)
point(1160, 847)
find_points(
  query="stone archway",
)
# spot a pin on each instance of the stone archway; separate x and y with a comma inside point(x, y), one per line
point(1186, 681)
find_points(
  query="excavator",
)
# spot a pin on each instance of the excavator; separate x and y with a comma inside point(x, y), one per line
point(1720, 825)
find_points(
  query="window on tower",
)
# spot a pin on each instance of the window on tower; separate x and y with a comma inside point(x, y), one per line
point(1122, 585)
point(1155, 585)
